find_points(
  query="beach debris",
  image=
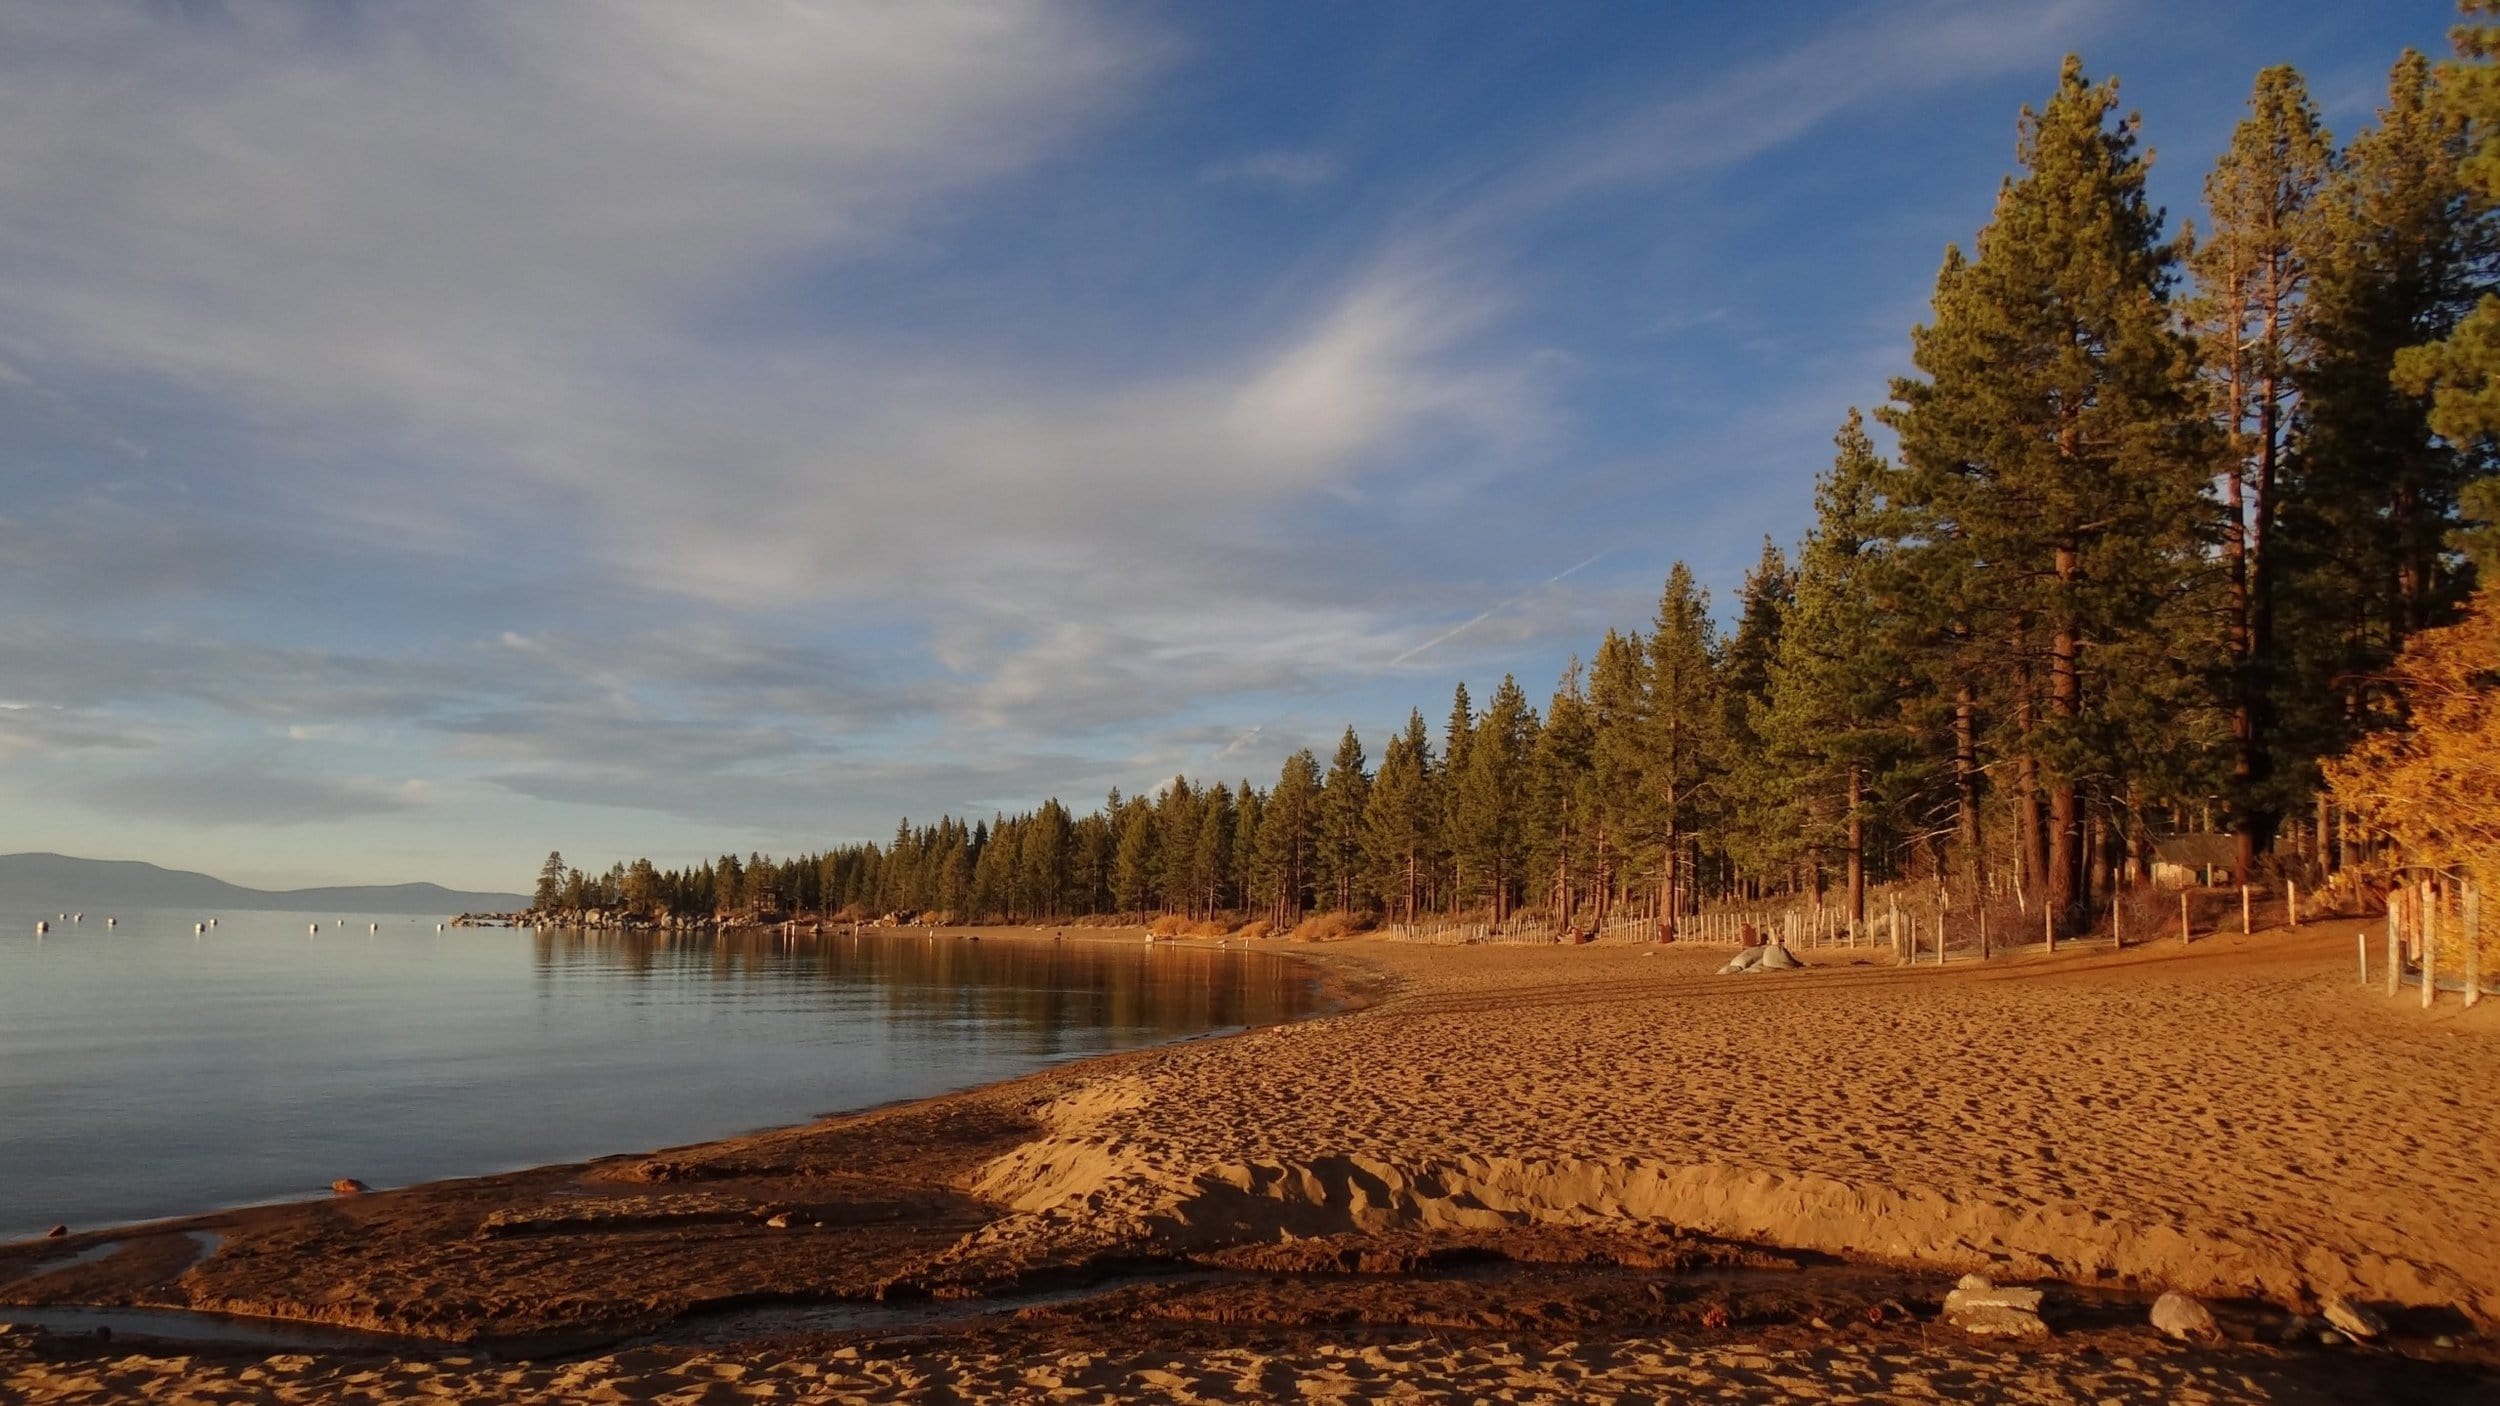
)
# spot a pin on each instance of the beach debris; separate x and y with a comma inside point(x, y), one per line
point(56, 1232)
point(789, 1220)
point(2179, 1316)
point(1977, 1306)
point(349, 1186)
point(2356, 1320)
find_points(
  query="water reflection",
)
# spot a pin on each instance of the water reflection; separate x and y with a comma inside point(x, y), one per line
point(155, 1071)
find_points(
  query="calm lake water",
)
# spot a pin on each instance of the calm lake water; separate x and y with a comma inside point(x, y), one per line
point(146, 1071)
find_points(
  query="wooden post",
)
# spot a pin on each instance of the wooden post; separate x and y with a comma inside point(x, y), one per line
point(1895, 903)
point(2183, 917)
point(2473, 944)
point(2117, 939)
point(1983, 932)
point(2048, 927)
point(2291, 903)
point(2245, 927)
point(2361, 946)
point(2395, 929)
point(2430, 942)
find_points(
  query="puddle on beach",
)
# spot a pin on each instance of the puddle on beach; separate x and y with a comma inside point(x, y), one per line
point(182, 1325)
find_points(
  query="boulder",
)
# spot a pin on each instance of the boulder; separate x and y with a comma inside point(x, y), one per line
point(2356, 1320)
point(2181, 1317)
point(349, 1186)
point(1979, 1307)
point(1745, 960)
point(56, 1232)
point(1777, 957)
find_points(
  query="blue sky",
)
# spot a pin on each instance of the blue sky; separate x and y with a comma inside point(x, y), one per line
point(431, 435)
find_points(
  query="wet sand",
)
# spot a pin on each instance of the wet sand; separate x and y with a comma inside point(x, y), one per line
point(2237, 1119)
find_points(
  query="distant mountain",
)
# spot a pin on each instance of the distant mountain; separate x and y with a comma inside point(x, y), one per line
point(58, 881)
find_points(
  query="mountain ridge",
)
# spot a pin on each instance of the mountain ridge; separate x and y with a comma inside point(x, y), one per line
point(46, 880)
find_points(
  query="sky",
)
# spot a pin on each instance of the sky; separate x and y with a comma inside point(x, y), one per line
point(431, 435)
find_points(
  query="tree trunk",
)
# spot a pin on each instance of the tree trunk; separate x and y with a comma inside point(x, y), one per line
point(1857, 851)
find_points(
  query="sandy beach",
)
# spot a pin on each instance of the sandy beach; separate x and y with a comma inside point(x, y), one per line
point(1516, 1173)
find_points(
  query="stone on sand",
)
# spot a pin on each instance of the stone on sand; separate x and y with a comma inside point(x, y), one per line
point(2184, 1318)
point(349, 1186)
point(2355, 1319)
point(1978, 1306)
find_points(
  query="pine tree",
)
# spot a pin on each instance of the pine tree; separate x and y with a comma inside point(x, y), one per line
point(1342, 800)
point(1456, 734)
point(2396, 249)
point(550, 883)
point(1618, 762)
point(1176, 846)
point(1687, 718)
point(2461, 370)
point(1563, 781)
point(1830, 719)
point(1136, 864)
point(2055, 439)
point(2251, 309)
point(1398, 820)
point(1288, 830)
point(1759, 833)
point(1492, 797)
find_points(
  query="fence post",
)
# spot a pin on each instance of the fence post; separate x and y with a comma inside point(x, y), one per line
point(2473, 943)
point(1983, 932)
point(2395, 929)
point(2117, 938)
point(2291, 903)
point(2430, 942)
point(2048, 925)
point(2183, 917)
point(2245, 928)
point(2361, 945)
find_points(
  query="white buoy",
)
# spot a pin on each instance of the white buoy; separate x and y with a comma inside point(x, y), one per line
point(199, 927)
point(112, 922)
point(314, 928)
point(80, 918)
point(42, 927)
point(63, 917)
point(438, 927)
point(373, 927)
point(212, 922)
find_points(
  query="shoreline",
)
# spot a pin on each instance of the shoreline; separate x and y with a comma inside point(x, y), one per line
point(1589, 1109)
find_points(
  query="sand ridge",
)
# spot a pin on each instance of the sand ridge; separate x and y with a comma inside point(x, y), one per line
point(2235, 1118)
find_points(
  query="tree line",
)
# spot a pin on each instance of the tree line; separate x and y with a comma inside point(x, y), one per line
point(2163, 509)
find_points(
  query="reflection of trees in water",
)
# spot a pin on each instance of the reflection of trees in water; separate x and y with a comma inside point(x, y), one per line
point(931, 983)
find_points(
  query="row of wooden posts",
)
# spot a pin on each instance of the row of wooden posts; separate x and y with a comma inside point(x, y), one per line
point(2419, 916)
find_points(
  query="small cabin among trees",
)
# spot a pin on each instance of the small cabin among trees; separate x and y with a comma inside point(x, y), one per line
point(2185, 861)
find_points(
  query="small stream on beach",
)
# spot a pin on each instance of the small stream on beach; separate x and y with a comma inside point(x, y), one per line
point(151, 1070)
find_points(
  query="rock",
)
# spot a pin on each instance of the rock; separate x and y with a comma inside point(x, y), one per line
point(56, 1232)
point(1979, 1307)
point(2355, 1319)
point(349, 1186)
point(1745, 960)
point(1777, 957)
point(785, 1220)
point(2181, 1317)
point(2328, 1337)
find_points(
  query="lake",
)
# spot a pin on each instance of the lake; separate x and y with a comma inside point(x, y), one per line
point(146, 1071)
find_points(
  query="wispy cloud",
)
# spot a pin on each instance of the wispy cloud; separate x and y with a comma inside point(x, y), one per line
point(1286, 169)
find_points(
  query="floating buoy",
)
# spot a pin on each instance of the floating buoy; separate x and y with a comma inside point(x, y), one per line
point(199, 927)
point(212, 922)
point(314, 928)
point(373, 927)
point(42, 927)
point(79, 918)
point(112, 922)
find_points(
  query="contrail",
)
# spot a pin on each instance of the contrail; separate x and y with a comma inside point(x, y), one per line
point(1489, 612)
